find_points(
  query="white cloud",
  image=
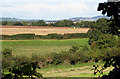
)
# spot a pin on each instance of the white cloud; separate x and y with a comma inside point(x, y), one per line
point(45, 10)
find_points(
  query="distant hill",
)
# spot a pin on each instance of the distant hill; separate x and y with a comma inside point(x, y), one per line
point(77, 19)
point(16, 19)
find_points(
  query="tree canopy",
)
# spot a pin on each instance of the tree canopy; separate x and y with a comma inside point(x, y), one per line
point(64, 23)
point(112, 9)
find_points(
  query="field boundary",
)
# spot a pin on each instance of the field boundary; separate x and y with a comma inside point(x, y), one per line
point(41, 27)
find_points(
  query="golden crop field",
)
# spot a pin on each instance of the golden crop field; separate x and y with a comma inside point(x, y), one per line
point(41, 30)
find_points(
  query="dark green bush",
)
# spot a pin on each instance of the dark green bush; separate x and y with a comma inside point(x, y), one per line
point(7, 52)
point(104, 41)
point(23, 36)
point(75, 35)
point(18, 37)
point(93, 35)
point(18, 24)
point(49, 36)
point(55, 36)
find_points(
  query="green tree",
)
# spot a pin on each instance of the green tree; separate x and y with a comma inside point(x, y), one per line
point(18, 24)
point(7, 52)
point(93, 35)
point(112, 9)
point(85, 24)
point(4, 22)
point(25, 23)
point(64, 23)
point(39, 23)
point(104, 41)
point(102, 26)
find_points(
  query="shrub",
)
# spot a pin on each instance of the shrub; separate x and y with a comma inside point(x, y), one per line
point(18, 24)
point(75, 35)
point(23, 36)
point(73, 49)
point(54, 36)
point(106, 46)
point(104, 41)
point(7, 52)
point(24, 70)
point(49, 36)
point(93, 35)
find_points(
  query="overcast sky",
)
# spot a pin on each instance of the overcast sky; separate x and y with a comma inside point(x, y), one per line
point(49, 9)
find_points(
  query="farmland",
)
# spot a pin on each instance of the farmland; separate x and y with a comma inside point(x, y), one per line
point(78, 70)
point(27, 48)
point(12, 30)
point(41, 47)
point(62, 48)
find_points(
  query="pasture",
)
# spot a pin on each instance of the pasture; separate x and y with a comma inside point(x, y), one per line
point(12, 30)
point(41, 47)
point(78, 70)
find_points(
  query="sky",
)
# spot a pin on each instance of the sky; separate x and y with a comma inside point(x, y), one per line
point(49, 9)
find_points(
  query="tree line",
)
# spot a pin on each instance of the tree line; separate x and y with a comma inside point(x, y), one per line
point(62, 23)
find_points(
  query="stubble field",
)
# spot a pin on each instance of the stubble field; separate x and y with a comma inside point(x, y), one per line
point(40, 30)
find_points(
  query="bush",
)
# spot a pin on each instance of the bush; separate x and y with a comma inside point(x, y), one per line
point(106, 46)
point(55, 36)
point(49, 36)
point(75, 35)
point(93, 35)
point(18, 24)
point(7, 52)
point(74, 49)
point(20, 66)
point(23, 36)
point(104, 41)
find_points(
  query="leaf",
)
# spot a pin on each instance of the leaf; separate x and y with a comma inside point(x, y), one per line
point(26, 68)
point(38, 75)
point(94, 66)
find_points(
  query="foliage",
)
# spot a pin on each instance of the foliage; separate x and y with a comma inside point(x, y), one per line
point(102, 26)
point(18, 24)
point(93, 35)
point(7, 52)
point(19, 67)
point(64, 23)
point(24, 69)
point(74, 49)
point(72, 56)
point(75, 35)
point(4, 22)
point(115, 62)
point(104, 41)
point(49, 36)
point(25, 23)
point(88, 24)
point(39, 23)
point(55, 36)
point(111, 61)
point(112, 9)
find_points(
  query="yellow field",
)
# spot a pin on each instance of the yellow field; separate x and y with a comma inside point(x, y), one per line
point(42, 30)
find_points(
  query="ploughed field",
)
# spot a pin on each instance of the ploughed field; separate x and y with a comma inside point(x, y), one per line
point(40, 30)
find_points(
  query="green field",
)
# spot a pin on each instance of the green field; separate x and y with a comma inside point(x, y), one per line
point(41, 47)
point(78, 70)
